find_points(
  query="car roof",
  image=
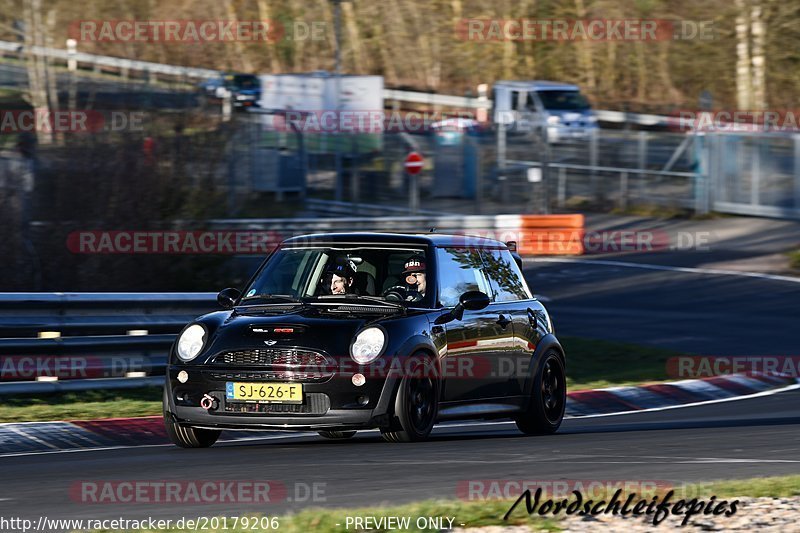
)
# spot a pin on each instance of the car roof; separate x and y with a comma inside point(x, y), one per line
point(538, 85)
point(426, 239)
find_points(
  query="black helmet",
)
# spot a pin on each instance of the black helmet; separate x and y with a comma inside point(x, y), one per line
point(343, 267)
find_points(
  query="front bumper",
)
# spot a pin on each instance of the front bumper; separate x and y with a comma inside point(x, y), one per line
point(332, 404)
point(565, 133)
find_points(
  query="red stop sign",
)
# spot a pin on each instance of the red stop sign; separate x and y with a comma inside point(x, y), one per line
point(413, 163)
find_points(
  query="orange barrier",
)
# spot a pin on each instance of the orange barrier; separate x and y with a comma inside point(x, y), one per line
point(551, 235)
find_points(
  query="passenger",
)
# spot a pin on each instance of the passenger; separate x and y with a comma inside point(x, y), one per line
point(342, 276)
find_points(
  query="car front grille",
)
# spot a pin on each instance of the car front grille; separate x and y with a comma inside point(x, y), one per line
point(305, 377)
point(276, 357)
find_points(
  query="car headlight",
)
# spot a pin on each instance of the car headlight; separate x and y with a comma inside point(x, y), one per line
point(553, 120)
point(368, 345)
point(191, 342)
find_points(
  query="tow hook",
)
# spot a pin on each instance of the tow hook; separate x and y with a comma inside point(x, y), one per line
point(208, 402)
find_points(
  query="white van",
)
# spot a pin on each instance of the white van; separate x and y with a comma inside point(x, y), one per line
point(557, 109)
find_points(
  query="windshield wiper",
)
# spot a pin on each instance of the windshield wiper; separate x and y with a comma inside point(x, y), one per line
point(277, 298)
point(376, 299)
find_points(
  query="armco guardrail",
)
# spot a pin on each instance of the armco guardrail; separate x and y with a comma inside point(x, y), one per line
point(113, 62)
point(52, 342)
point(446, 100)
point(27, 314)
point(84, 357)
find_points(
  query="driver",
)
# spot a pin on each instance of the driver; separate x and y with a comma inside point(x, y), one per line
point(414, 274)
point(342, 276)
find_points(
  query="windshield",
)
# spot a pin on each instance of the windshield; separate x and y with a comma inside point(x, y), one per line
point(240, 81)
point(564, 100)
point(394, 275)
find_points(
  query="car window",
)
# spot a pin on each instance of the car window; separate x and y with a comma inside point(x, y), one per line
point(459, 271)
point(369, 271)
point(504, 276)
point(516, 96)
point(563, 100)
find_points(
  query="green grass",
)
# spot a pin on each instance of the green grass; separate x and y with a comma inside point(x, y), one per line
point(590, 364)
point(85, 405)
point(490, 512)
point(471, 514)
point(594, 364)
point(794, 259)
point(761, 487)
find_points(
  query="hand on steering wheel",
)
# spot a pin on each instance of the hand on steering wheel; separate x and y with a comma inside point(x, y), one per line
point(397, 293)
point(400, 293)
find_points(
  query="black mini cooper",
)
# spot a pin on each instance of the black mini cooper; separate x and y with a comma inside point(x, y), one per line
point(341, 332)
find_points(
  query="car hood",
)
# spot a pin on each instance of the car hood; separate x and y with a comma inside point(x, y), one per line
point(318, 328)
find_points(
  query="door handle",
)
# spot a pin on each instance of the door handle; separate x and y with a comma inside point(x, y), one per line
point(503, 321)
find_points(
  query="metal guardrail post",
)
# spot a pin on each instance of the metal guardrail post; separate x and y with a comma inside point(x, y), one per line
point(547, 158)
point(593, 156)
point(562, 187)
point(623, 190)
point(642, 150)
point(755, 170)
point(478, 173)
point(701, 180)
point(501, 162)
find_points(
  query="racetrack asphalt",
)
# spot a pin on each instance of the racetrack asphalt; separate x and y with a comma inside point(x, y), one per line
point(699, 313)
point(705, 314)
point(738, 439)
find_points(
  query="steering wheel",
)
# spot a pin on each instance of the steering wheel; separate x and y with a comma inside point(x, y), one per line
point(397, 293)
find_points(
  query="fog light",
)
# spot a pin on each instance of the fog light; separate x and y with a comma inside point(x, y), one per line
point(359, 379)
point(183, 376)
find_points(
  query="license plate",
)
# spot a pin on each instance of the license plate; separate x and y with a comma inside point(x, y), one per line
point(264, 392)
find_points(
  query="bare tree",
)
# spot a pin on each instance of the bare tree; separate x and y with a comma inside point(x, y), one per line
point(743, 81)
point(36, 65)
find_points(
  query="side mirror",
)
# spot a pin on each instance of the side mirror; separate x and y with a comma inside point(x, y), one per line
point(470, 301)
point(474, 300)
point(227, 297)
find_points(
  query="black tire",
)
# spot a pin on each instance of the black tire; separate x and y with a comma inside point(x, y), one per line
point(416, 404)
point(548, 399)
point(337, 435)
point(187, 436)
